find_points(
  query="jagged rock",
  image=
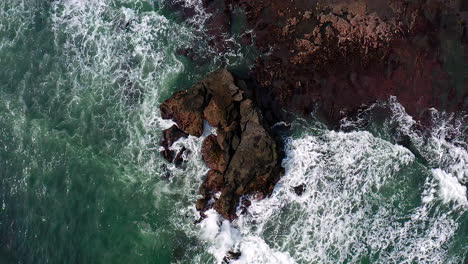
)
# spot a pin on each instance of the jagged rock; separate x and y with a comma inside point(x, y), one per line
point(214, 157)
point(243, 157)
point(213, 183)
point(254, 167)
point(185, 108)
point(179, 159)
point(299, 190)
point(215, 114)
point(170, 136)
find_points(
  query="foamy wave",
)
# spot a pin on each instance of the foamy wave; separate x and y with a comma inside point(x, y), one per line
point(224, 238)
point(450, 188)
point(364, 199)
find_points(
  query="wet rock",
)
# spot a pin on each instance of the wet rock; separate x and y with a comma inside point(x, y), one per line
point(332, 57)
point(170, 136)
point(230, 256)
point(212, 184)
point(254, 167)
point(165, 174)
point(299, 190)
point(243, 157)
point(185, 108)
point(214, 157)
point(179, 157)
point(192, 55)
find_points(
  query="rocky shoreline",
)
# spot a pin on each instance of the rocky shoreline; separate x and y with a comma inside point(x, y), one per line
point(243, 156)
point(335, 57)
point(331, 58)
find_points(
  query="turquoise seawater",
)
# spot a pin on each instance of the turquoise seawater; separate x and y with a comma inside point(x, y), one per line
point(81, 177)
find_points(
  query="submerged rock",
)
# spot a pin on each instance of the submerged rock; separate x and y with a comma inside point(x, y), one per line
point(299, 190)
point(230, 256)
point(333, 57)
point(170, 136)
point(243, 157)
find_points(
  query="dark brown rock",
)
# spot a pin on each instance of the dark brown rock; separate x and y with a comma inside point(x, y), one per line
point(254, 167)
point(334, 56)
point(214, 181)
point(215, 113)
point(170, 136)
point(214, 157)
point(212, 184)
point(243, 157)
point(299, 190)
point(185, 108)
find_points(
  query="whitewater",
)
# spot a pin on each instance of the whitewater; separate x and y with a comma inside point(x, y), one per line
point(82, 180)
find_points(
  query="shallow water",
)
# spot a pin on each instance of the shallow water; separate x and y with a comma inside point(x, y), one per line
point(81, 176)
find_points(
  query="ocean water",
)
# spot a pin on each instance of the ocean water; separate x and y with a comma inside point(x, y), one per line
point(82, 180)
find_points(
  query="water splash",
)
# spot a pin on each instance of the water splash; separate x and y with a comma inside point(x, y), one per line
point(365, 199)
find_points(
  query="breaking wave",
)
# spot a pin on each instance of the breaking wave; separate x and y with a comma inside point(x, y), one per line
point(365, 199)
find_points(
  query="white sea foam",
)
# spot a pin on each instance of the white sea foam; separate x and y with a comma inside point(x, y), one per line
point(111, 52)
point(224, 237)
point(359, 201)
point(450, 189)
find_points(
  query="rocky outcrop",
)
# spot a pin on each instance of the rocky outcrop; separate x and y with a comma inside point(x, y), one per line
point(185, 108)
point(170, 136)
point(334, 57)
point(243, 157)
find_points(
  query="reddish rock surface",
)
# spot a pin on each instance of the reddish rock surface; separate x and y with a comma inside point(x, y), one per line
point(185, 108)
point(329, 57)
point(214, 157)
point(333, 57)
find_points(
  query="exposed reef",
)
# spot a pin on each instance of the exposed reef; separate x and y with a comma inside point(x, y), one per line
point(243, 156)
point(335, 57)
point(332, 58)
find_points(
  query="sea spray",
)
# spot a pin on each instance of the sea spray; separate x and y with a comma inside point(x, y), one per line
point(365, 199)
point(81, 174)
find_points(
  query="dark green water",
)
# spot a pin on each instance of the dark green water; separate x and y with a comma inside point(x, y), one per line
point(78, 167)
point(80, 173)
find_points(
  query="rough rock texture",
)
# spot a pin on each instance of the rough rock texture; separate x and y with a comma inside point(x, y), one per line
point(254, 167)
point(243, 156)
point(333, 57)
point(170, 136)
point(215, 158)
point(185, 108)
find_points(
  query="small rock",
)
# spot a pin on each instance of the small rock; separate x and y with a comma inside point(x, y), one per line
point(231, 255)
point(299, 190)
point(170, 136)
